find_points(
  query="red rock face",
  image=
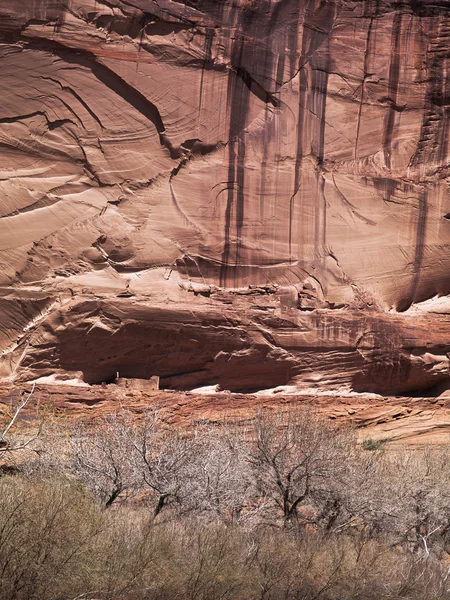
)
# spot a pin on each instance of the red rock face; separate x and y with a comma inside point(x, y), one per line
point(249, 193)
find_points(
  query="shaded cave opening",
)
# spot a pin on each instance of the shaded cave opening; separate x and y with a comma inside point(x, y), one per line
point(244, 379)
point(434, 391)
point(405, 389)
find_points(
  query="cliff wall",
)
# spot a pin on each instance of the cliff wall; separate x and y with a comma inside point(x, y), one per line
point(244, 192)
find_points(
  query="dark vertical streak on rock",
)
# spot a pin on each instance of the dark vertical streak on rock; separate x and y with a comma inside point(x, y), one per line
point(268, 68)
point(442, 148)
point(420, 243)
point(265, 157)
point(322, 87)
point(240, 199)
point(238, 98)
point(433, 141)
point(394, 74)
point(317, 26)
point(318, 96)
point(283, 29)
point(321, 66)
point(419, 251)
point(303, 86)
point(373, 18)
point(209, 35)
point(441, 97)
point(280, 69)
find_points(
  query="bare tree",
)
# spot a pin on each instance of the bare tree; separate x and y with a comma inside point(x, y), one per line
point(100, 457)
point(125, 454)
point(298, 460)
point(218, 480)
point(159, 457)
point(11, 444)
point(415, 498)
point(291, 466)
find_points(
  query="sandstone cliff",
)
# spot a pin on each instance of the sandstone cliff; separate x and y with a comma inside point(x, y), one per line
point(244, 192)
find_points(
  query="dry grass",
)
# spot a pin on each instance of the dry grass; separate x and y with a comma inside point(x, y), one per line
point(292, 508)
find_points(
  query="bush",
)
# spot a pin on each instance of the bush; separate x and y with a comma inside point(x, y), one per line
point(45, 529)
point(371, 444)
point(58, 543)
point(291, 507)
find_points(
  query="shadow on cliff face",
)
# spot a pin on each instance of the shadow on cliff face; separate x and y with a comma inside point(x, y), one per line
point(183, 350)
point(20, 13)
point(385, 372)
point(399, 372)
point(207, 344)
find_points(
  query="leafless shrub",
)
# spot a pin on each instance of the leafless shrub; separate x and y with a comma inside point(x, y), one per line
point(291, 469)
point(19, 443)
point(159, 459)
point(100, 457)
point(413, 499)
point(200, 471)
point(10, 439)
point(300, 464)
point(217, 481)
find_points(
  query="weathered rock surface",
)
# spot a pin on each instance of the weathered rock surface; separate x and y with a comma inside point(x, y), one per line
point(235, 192)
point(394, 421)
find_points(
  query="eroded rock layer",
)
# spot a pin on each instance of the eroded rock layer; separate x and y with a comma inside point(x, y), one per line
point(248, 193)
point(389, 421)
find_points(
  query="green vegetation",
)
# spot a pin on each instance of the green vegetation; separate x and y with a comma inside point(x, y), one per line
point(371, 444)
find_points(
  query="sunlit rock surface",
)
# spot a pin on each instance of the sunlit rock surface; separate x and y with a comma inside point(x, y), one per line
point(243, 193)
